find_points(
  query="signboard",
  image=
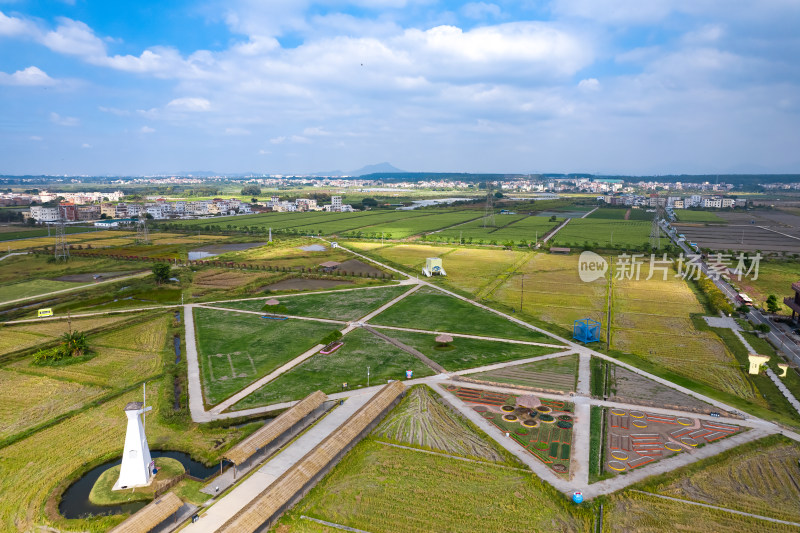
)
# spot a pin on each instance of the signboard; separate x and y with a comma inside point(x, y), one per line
point(409, 373)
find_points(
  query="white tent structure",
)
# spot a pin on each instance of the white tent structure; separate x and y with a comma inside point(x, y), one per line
point(137, 468)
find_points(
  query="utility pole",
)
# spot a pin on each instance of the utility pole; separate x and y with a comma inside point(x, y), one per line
point(69, 321)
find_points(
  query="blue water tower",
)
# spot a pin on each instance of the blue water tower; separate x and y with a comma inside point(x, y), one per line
point(577, 497)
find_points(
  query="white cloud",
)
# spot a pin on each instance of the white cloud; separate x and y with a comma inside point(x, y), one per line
point(114, 111)
point(146, 129)
point(264, 152)
point(31, 76)
point(86, 145)
point(13, 26)
point(589, 84)
point(35, 138)
point(55, 118)
point(190, 104)
point(481, 10)
point(236, 131)
point(278, 140)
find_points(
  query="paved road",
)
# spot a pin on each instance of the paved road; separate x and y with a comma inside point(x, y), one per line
point(515, 362)
point(243, 493)
point(478, 337)
point(11, 254)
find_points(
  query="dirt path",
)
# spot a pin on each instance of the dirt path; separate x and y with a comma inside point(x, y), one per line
point(627, 215)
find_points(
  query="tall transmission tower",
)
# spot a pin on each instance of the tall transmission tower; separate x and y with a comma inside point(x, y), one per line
point(488, 215)
point(61, 248)
point(655, 228)
point(142, 237)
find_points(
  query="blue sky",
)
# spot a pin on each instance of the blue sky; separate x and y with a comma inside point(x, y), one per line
point(296, 86)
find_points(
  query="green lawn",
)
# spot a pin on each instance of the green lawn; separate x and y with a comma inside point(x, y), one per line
point(603, 232)
point(235, 349)
point(687, 215)
point(348, 364)
point(432, 310)
point(384, 489)
point(338, 305)
point(34, 287)
point(467, 353)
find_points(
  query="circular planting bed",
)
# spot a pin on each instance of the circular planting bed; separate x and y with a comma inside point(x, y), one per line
point(559, 468)
point(684, 421)
point(565, 418)
point(510, 418)
point(671, 446)
point(507, 409)
point(522, 411)
point(640, 424)
point(637, 414)
point(616, 466)
point(547, 419)
point(480, 408)
point(541, 445)
point(616, 412)
point(543, 409)
point(564, 425)
point(620, 455)
point(689, 441)
point(530, 423)
point(452, 387)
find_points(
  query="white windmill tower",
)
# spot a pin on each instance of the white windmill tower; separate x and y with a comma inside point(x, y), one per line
point(137, 466)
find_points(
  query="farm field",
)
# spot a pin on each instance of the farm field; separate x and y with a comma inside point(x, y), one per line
point(774, 277)
point(339, 305)
point(8, 233)
point(348, 365)
point(477, 270)
point(554, 292)
point(20, 336)
point(466, 353)
point(621, 213)
point(375, 488)
point(625, 386)
point(651, 319)
point(45, 399)
point(31, 468)
point(689, 215)
point(411, 256)
point(33, 267)
point(235, 349)
point(763, 479)
point(431, 310)
point(603, 233)
point(405, 227)
point(423, 420)
point(529, 229)
point(112, 366)
point(27, 289)
point(643, 513)
point(286, 253)
point(210, 281)
point(475, 230)
point(746, 238)
point(560, 374)
point(543, 427)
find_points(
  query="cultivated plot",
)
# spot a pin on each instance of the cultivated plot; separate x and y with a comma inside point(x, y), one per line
point(559, 374)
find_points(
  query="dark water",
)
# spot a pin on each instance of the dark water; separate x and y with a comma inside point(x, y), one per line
point(75, 501)
point(176, 341)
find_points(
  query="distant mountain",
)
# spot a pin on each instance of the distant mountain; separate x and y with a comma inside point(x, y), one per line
point(380, 168)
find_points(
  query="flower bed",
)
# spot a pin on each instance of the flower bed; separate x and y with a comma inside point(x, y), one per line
point(565, 418)
point(564, 425)
point(507, 409)
point(544, 409)
point(547, 419)
point(510, 418)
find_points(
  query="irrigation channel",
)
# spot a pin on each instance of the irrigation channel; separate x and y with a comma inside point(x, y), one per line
point(75, 501)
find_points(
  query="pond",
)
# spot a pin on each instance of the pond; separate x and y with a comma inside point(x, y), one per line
point(313, 248)
point(212, 250)
point(75, 500)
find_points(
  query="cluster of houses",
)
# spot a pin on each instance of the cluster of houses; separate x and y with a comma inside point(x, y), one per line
point(674, 202)
point(72, 211)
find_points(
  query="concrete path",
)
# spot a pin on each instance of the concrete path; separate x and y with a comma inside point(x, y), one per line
point(196, 406)
point(292, 295)
point(250, 389)
point(553, 233)
point(515, 362)
point(466, 336)
point(261, 313)
point(243, 493)
point(786, 392)
point(717, 508)
point(590, 212)
point(584, 373)
point(98, 313)
point(79, 287)
point(13, 254)
point(387, 305)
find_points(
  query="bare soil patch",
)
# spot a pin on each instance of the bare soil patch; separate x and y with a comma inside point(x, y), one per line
point(304, 283)
point(630, 387)
point(358, 267)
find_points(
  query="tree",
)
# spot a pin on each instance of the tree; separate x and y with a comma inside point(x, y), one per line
point(498, 195)
point(162, 272)
point(251, 190)
point(253, 200)
point(772, 304)
point(103, 216)
point(369, 202)
point(74, 344)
